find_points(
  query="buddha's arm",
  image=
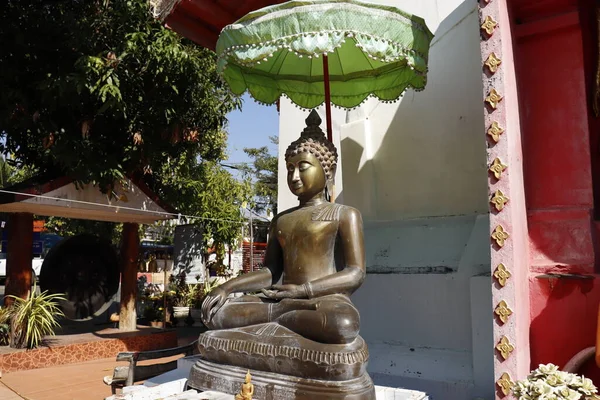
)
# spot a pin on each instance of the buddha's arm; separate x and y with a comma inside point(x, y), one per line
point(250, 282)
point(352, 276)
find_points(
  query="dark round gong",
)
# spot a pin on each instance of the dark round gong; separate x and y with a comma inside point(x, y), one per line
point(85, 269)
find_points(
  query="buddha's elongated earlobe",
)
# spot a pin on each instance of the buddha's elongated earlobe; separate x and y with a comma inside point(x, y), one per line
point(331, 180)
point(329, 189)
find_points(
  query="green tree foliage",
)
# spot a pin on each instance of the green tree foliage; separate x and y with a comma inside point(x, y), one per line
point(206, 190)
point(66, 227)
point(264, 169)
point(97, 89)
point(9, 175)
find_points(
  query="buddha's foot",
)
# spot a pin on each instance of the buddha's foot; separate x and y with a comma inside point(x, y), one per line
point(274, 348)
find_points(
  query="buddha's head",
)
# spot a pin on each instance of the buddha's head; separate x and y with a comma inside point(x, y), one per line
point(311, 161)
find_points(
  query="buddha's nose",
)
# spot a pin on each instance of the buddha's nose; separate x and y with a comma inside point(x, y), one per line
point(296, 176)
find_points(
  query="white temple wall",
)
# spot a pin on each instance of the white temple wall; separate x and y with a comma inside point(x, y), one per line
point(416, 170)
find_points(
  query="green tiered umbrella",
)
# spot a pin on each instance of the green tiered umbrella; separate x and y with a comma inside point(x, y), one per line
point(332, 51)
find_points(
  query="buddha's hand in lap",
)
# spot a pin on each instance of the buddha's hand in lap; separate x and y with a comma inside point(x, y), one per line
point(212, 303)
point(289, 291)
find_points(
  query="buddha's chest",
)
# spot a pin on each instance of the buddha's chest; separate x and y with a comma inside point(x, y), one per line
point(298, 229)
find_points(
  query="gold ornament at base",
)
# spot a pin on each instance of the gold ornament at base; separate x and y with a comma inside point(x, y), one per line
point(247, 389)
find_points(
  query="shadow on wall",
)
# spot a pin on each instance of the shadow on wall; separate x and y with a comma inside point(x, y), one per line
point(424, 156)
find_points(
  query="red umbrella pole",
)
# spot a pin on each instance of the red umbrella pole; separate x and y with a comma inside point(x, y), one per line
point(327, 98)
point(328, 112)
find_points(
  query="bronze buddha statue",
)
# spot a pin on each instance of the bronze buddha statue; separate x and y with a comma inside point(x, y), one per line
point(314, 260)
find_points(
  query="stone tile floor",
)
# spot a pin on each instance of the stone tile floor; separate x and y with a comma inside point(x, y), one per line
point(81, 381)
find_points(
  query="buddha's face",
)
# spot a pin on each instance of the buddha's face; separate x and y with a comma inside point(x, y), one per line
point(305, 176)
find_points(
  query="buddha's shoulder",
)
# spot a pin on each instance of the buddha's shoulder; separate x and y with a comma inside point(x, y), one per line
point(334, 212)
point(324, 212)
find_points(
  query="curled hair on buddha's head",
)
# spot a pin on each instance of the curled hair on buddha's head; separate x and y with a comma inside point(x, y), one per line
point(312, 140)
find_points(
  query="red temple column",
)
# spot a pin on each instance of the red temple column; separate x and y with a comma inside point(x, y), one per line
point(130, 247)
point(19, 277)
point(509, 235)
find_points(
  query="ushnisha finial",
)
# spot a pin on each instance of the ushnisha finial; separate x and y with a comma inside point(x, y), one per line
point(313, 119)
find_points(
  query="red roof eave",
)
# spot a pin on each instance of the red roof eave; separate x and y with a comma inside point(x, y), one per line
point(202, 20)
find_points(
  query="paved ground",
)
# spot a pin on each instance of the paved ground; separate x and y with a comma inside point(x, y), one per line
point(67, 382)
point(7, 394)
point(82, 381)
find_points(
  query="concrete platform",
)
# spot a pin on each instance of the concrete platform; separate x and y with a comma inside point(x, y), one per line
point(171, 386)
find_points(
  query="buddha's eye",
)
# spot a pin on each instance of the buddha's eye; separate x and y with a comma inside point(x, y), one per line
point(290, 167)
point(304, 166)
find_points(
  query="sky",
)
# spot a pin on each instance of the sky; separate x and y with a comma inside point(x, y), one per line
point(251, 127)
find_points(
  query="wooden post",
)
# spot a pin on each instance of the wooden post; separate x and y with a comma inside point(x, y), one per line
point(165, 286)
point(130, 248)
point(251, 244)
point(19, 277)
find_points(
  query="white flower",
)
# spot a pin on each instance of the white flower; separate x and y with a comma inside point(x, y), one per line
point(551, 396)
point(548, 369)
point(587, 387)
point(569, 394)
point(567, 378)
point(547, 382)
point(553, 380)
point(541, 387)
point(525, 397)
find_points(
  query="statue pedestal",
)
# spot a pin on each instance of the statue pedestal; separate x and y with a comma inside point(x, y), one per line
point(270, 386)
point(283, 365)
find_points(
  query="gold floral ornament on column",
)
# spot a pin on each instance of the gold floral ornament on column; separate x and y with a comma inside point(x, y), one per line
point(504, 347)
point(505, 384)
point(502, 274)
point(499, 200)
point(489, 25)
point(503, 311)
point(493, 98)
point(494, 131)
point(493, 62)
point(500, 235)
point(497, 168)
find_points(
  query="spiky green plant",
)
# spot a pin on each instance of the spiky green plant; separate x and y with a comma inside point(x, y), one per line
point(33, 318)
point(4, 326)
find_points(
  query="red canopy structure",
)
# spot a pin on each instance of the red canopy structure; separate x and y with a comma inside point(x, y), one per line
point(202, 20)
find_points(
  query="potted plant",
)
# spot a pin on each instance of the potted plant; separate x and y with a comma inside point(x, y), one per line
point(197, 295)
point(548, 382)
point(4, 327)
point(180, 297)
point(32, 318)
point(154, 315)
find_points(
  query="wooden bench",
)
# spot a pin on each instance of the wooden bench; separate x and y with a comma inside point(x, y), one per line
point(126, 375)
